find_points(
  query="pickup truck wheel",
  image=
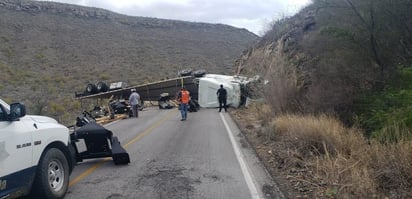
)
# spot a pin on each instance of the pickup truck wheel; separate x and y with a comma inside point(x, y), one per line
point(52, 177)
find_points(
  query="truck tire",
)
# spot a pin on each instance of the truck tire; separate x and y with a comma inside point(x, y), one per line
point(91, 89)
point(186, 72)
point(102, 87)
point(52, 175)
point(199, 73)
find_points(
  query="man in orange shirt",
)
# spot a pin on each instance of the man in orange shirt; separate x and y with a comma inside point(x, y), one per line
point(184, 98)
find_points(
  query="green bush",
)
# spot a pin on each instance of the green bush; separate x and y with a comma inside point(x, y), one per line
point(380, 113)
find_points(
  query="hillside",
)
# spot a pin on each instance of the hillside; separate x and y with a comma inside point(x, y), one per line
point(332, 52)
point(58, 48)
point(335, 121)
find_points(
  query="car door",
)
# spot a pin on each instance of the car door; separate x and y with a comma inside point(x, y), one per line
point(16, 148)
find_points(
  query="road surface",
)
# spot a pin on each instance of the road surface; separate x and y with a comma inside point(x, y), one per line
point(202, 157)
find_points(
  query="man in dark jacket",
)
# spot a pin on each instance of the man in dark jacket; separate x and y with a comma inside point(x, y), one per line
point(222, 96)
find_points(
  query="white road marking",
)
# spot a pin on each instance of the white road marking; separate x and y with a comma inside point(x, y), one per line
point(245, 169)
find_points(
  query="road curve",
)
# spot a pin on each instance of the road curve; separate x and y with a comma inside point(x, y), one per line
point(202, 157)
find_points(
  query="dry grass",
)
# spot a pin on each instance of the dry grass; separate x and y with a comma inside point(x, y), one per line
point(335, 161)
point(392, 168)
point(317, 135)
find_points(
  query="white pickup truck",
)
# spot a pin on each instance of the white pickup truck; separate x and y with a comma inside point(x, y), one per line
point(36, 156)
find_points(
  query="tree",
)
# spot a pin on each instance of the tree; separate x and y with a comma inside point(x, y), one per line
point(376, 26)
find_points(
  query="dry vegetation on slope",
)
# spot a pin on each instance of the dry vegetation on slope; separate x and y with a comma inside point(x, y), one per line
point(318, 157)
point(334, 59)
point(50, 50)
point(321, 59)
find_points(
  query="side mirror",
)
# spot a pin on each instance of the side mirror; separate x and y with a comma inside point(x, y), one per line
point(17, 111)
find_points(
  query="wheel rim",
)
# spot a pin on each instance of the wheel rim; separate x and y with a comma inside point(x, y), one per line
point(56, 175)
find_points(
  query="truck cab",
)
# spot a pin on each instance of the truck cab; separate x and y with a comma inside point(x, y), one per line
point(36, 156)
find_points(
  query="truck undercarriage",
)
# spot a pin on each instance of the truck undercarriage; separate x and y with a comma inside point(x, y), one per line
point(92, 140)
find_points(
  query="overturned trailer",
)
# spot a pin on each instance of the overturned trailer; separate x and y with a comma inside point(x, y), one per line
point(234, 85)
point(202, 89)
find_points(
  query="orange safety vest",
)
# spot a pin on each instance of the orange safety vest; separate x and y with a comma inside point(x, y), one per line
point(185, 95)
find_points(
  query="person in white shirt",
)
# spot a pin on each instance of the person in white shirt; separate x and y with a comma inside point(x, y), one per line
point(134, 102)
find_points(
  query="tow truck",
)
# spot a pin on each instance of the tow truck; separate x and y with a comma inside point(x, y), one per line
point(37, 154)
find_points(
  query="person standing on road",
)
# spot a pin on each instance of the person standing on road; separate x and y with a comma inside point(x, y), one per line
point(222, 96)
point(183, 97)
point(134, 99)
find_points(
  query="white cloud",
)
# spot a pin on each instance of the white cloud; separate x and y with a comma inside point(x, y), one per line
point(253, 15)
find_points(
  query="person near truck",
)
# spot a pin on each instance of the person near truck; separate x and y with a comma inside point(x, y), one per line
point(134, 99)
point(222, 96)
point(183, 97)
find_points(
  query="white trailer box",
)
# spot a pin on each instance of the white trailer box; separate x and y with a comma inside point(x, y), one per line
point(209, 85)
point(117, 85)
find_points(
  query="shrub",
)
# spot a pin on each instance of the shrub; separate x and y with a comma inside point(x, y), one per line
point(390, 108)
point(391, 168)
point(341, 163)
point(317, 135)
point(393, 133)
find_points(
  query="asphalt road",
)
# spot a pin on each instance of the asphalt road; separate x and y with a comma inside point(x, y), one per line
point(202, 157)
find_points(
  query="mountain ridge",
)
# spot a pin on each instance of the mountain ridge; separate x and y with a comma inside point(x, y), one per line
point(100, 13)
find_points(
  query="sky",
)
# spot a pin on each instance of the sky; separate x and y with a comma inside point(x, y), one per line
point(254, 15)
